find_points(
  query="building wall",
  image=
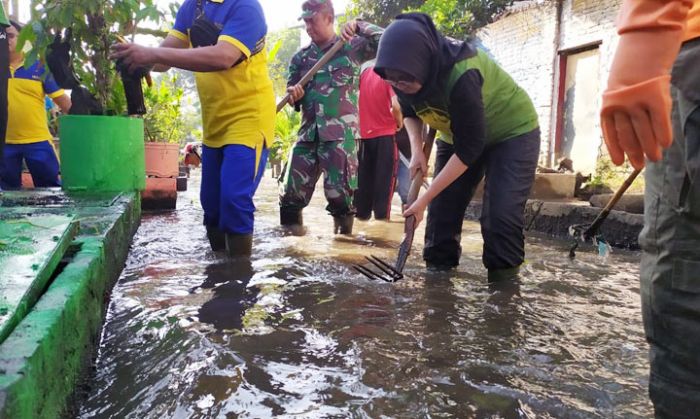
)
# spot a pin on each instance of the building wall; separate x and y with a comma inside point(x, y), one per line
point(523, 43)
point(527, 42)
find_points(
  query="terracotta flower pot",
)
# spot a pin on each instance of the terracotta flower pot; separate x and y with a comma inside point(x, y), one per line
point(162, 159)
point(162, 170)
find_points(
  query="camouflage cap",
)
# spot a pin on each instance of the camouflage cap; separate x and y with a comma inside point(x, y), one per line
point(311, 7)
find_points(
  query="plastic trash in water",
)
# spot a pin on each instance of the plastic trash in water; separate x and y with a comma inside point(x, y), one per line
point(604, 248)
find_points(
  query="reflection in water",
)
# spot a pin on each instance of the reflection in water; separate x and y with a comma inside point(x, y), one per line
point(229, 281)
point(295, 332)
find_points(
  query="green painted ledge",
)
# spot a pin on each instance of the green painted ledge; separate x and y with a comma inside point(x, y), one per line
point(46, 355)
point(35, 248)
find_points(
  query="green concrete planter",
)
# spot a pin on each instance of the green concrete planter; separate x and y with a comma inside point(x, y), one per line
point(102, 153)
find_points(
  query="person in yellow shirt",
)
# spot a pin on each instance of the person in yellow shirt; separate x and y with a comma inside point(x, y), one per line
point(238, 106)
point(651, 113)
point(28, 138)
point(4, 75)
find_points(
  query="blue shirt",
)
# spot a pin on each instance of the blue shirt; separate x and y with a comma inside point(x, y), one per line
point(238, 104)
point(242, 21)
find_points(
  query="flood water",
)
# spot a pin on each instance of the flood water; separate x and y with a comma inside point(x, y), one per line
point(295, 332)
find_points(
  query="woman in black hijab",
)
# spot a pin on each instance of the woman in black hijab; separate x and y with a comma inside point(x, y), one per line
point(488, 126)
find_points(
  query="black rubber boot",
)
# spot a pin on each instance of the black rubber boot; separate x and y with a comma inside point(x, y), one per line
point(217, 239)
point(291, 217)
point(238, 245)
point(343, 224)
point(501, 275)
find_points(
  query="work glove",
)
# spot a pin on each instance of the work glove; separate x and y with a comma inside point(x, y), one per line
point(636, 112)
point(84, 102)
point(59, 62)
point(138, 73)
point(133, 87)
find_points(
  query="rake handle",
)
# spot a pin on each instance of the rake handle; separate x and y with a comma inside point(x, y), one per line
point(593, 229)
point(311, 73)
point(417, 180)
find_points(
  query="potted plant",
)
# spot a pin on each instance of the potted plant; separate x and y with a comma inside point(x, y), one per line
point(164, 129)
point(99, 152)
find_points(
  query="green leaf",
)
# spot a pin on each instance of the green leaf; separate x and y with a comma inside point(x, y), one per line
point(272, 54)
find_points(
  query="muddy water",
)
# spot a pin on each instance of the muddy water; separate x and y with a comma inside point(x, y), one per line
point(296, 333)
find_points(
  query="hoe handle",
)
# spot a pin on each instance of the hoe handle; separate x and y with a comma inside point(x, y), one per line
point(311, 73)
point(593, 229)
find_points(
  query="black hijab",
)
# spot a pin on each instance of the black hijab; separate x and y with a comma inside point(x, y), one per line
point(413, 45)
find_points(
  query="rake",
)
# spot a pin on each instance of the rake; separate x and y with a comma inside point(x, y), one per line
point(387, 272)
point(584, 232)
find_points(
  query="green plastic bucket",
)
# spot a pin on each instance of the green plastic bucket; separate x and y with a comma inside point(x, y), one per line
point(102, 153)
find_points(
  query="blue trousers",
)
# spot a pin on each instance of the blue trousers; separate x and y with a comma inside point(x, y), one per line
point(229, 182)
point(41, 160)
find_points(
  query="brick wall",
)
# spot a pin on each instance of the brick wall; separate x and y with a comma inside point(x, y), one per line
point(525, 42)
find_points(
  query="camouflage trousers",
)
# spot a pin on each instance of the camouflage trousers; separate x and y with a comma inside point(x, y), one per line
point(670, 271)
point(337, 160)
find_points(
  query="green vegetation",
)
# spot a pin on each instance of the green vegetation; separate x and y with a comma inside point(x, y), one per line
point(286, 127)
point(93, 26)
point(456, 18)
point(283, 45)
point(164, 121)
point(607, 174)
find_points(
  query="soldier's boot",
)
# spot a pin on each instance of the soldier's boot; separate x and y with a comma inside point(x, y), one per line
point(238, 245)
point(291, 217)
point(217, 238)
point(343, 224)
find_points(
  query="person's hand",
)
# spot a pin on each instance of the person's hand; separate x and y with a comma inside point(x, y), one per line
point(636, 121)
point(417, 209)
point(133, 57)
point(296, 92)
point(349, 30)
point(418, 162)
point(636, 111)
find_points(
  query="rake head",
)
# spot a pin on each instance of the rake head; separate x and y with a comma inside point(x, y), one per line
point(582, 233)
point(386, 272)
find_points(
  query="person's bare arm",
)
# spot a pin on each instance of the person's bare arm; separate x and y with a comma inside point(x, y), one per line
point(414, 128)
point(217, 57)
point(64, 103)
point(396, 112)
point(170, 42)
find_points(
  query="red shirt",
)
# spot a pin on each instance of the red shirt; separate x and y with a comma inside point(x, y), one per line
point(376, 119)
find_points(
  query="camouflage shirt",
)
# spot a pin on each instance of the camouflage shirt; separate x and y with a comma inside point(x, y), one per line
point(330, 100)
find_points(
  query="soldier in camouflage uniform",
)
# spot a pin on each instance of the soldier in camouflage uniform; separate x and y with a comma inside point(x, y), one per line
point(329, 129)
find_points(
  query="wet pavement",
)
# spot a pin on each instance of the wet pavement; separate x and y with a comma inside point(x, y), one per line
point(295, 332)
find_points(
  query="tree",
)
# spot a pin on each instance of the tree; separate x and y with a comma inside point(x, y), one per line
point(456, 18)
point(283, 45)
point(381, 12)
point(93, 25)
